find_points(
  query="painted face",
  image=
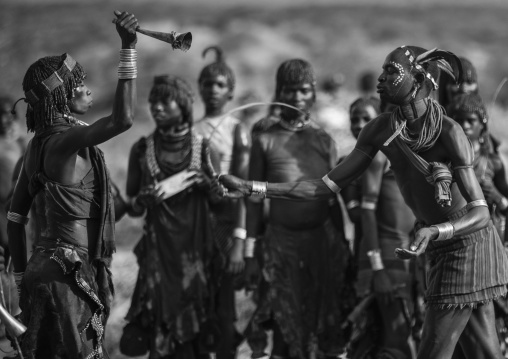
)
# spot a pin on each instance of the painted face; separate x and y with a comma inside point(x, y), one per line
point(82, 100)
point(166, 113)
point(471, 124)
point(360, 116)
point(215, 91)
point(6, 118)
point(396, 81)
point(300, 96)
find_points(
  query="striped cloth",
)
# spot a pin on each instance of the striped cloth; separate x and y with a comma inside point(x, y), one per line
point(466, 270)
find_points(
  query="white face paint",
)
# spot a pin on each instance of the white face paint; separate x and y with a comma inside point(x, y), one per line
point(399, 78)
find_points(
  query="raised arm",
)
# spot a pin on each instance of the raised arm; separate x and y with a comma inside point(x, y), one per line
point(123, 104)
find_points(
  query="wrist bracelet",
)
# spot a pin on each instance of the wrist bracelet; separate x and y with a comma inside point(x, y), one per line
point(352, 204)
point(259, 189)
point(250, 246)
point(376, 263)
point(446, 231)
point(503, 203)
point(18, 277)
point(240, 233)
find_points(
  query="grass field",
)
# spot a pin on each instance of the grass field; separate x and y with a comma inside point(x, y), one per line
point(336, 36)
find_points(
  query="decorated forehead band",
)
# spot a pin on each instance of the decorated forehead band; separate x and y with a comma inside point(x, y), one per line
point(56, 79)
point(419, 67)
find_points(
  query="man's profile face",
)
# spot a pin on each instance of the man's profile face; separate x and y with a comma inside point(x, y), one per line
point(299, 95)
point(396, 81)
point(82, 100)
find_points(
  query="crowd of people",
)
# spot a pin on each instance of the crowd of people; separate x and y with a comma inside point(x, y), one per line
point(424, 275)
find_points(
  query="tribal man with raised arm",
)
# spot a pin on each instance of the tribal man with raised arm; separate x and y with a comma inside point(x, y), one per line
point(432, 162)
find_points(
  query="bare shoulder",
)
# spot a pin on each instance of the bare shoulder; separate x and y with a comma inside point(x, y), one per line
point(456, 143)
point(376, 131)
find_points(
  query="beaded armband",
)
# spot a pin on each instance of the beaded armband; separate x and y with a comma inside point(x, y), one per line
point(376, 263)
point(17, 218)
point(330, 184)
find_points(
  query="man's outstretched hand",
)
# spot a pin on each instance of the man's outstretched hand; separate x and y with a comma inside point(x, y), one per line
point(419, 245)
point(231, 186)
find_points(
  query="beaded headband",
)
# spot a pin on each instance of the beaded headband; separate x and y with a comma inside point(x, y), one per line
point(56, 79)
point(419, 67)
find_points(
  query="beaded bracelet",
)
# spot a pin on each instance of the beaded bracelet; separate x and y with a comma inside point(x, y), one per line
point(259, 189)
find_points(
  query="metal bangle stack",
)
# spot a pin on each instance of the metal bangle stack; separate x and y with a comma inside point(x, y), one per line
point(127, 69)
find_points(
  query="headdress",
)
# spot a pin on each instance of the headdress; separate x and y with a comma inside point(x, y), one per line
point(293, 72)
point(174, 88)
point(48, 85)
point(428, 63)
point(218, 67)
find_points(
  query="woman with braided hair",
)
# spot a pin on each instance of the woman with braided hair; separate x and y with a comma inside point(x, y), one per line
point(168, 179)
point(66, 288)
point(432, 161)
point(229, 143)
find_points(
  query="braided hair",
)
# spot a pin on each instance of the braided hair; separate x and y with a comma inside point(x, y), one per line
point(469, 103)
point(173, 88)
point(294, 72)
point(217, 68)
point(41, 114)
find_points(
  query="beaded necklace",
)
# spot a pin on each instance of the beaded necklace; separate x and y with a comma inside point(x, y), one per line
point(428, 135)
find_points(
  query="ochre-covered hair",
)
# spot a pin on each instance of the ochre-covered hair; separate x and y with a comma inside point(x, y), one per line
point(217, 68)
point(294, 72)
point(469, 71)
point(366, 101)
point(469, 103)
point(173, 88)
point(41, 114)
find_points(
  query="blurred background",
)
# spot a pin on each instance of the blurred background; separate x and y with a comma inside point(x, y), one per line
point(339, 37)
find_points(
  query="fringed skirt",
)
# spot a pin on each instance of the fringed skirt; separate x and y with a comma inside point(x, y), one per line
point(466, 270)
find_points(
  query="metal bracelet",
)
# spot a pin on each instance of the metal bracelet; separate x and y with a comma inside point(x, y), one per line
point(376, 263)
point(352, 204)
point(477, 203)
point(368, 204)
point(250, 246)
point(446, 231)
point(17, 218)
point(259, 189)
point(240, 233)
point(330, 184)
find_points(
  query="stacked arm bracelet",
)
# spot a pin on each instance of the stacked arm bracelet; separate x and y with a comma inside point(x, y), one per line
point(477, 203)
point(127, 69)
point(17, 218)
